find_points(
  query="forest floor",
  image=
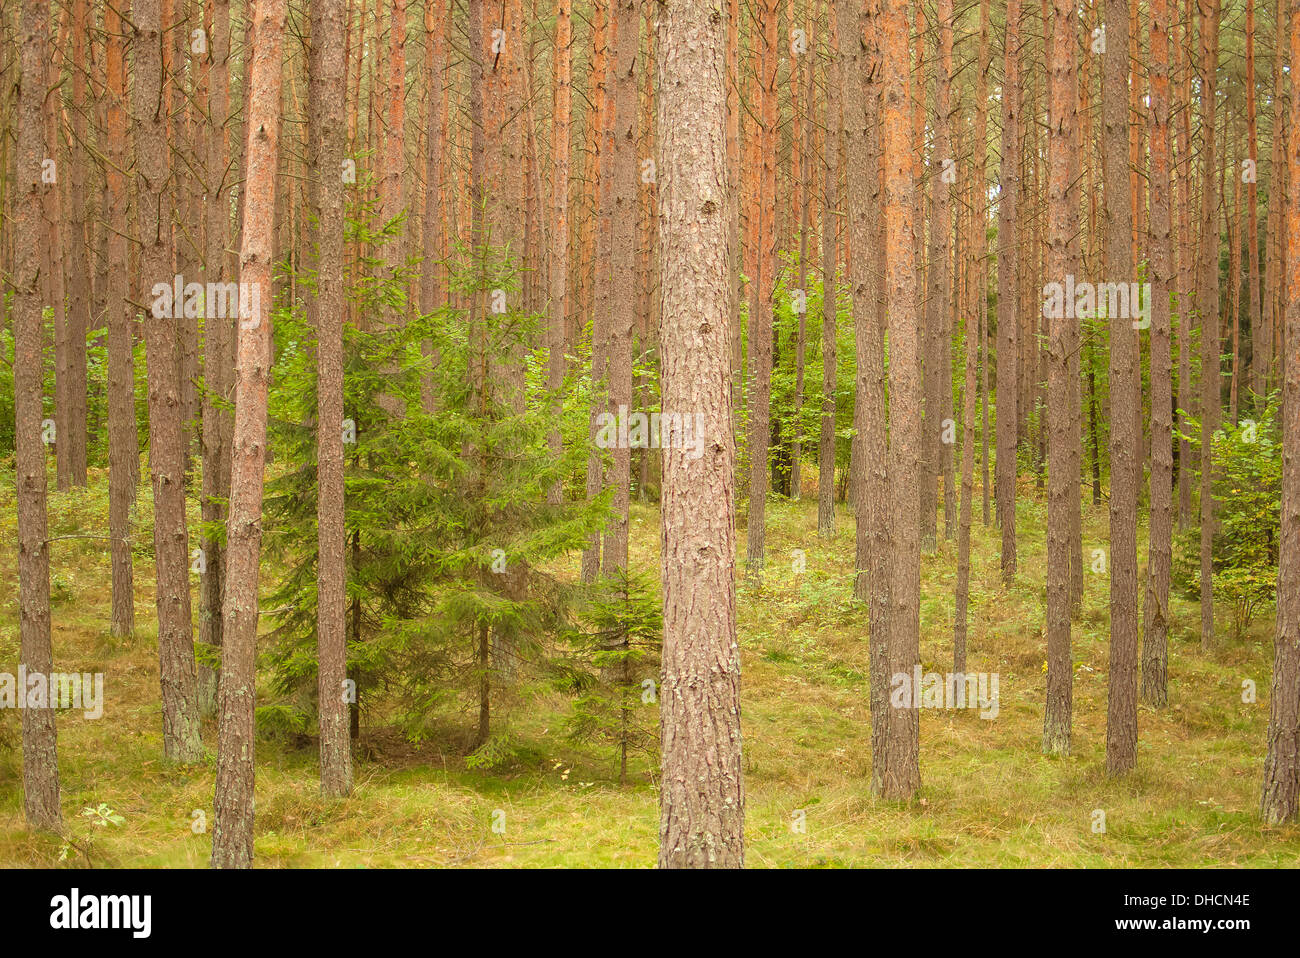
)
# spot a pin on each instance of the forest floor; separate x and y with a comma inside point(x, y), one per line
point(989, 797)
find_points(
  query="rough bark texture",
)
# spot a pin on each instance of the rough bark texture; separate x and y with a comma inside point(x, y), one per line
point(326, 94)
point(760, 327)
point(1008, 256)
point(1280, 801)
point(1277, 171)
point(1258, 347)
point(902, 773)
point(1207, 306)
point(1121, 708)
point(938, 365)
point(623, 265)
point(601, 117)
point(969, 394)
point(861, 83)
point(232, 839)
point(166, 408)
point(559, 253)
point(40, 751)
point(218, 336)
point(702, 799)
point(832, 123)
point(981, 249)
point(72, 435)
point(1061, 485)
point(1186, 264)
point(123, 440)
point(1160, 549)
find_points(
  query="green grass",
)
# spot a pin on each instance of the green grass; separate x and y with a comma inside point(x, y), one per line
point(989, 798)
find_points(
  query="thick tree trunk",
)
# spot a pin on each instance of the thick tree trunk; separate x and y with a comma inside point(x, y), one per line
point(970, 388)
point(218, 335)
point(1259, 349)
point(1160, 546)
point(52, 261)
point(938, 304)
point(602, 116)
point(1187, 401)
point(1062, 487)
point(123, 437)
point(760, 339)
point(1280, 801)
point(1275, 242)
point(72, 436)
point(40, 751)
point(832, 125)
point(326, 92)
point(232, 840)
point(166, 406)
point(559, 253)
point(1207, 303)
point(902, 774)
point(624, 168)
point(861, 82)
point(702, 799)
point(1125, 386)
point(1008, 257)
point(981, 247)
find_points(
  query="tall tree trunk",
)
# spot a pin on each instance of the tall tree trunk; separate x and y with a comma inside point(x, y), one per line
point(559, 252)
point(1062, 486)
point(1275, 242)
point(602, 116)
point(232, 840)
point(1186, 264)
point(1258, 346)
point(981, 248)
point(1280, 801)
point(123, 436)
point(326, 91)
point(182, 240)
point(166, 407)
point(1160, 545)
point(801, 147)
point(1008, 257)
point(1233, 216)
point(938, 317)
point(902, 774)
point(702, 799)
point(832, 125)
point(72, 436)
point(218, 336)
point(52, 260)
point(970, 389)
point(1207, 303)
point(1125, 389)
point(760, 339)
point(40, 749)
point(861, 83)
point(622, 317)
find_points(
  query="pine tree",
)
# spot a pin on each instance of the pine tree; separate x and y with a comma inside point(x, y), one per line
point(40, 748)
point(701, 798)
point(1280, 801)
point(232, 839)
point(166, 429)
point(1160, 553)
